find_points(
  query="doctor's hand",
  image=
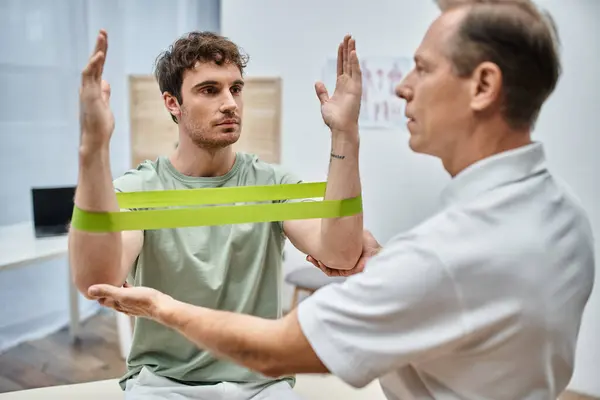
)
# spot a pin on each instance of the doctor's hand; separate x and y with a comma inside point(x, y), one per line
point(370, 248)
point(133, 301)
point(340, 111)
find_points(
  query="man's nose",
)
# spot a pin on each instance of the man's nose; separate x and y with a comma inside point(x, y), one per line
point(229, 103)
point(404, 92)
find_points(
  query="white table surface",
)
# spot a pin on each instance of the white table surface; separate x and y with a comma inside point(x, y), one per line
point(19, 246)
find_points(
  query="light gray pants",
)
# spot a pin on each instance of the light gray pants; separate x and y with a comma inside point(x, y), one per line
point(148, 386)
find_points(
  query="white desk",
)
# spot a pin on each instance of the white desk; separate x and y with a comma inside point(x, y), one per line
point(19, 247)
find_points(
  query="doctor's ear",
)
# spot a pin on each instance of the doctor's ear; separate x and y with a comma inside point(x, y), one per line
point(486, 86)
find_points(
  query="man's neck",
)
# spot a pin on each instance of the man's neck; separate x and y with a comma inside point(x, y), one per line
point(192, 160)
point(483, 143)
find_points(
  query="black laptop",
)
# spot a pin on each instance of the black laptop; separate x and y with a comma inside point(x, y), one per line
point(52, 210)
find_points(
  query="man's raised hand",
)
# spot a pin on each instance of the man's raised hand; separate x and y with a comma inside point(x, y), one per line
point(96, 118)
point(341, 111)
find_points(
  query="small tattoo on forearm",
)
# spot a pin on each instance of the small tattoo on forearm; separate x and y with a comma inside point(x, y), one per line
point(340, 157)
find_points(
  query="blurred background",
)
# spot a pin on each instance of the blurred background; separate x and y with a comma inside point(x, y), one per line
point(50, 335)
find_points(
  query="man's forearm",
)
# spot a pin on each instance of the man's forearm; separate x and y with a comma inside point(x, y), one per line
point(263, 345)
point(341, 238)
point(95, 257)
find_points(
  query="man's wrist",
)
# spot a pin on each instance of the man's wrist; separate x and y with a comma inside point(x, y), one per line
point(344, 143)
point(349, 134)
point(165, 311)
point(90, 150)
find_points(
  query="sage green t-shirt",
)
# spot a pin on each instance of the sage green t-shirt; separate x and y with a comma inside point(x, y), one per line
point(227, 267)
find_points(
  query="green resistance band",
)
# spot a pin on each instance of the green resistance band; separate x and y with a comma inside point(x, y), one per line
point(143, 216)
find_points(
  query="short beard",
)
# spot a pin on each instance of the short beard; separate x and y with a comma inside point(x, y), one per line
point(203, 139)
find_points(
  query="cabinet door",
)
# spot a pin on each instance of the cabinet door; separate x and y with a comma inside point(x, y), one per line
point(153, 132)
point(261, 126)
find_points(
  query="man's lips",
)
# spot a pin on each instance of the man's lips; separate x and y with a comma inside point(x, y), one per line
point(229, 122)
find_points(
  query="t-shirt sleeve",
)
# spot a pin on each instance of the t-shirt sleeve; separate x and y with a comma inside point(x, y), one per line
point(403, 308)
point(284, 177)
point(130, 181)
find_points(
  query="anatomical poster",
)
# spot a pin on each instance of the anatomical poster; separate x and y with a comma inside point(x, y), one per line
point(380, 107)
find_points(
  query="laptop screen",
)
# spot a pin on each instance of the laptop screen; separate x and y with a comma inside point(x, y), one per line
point(52, 208)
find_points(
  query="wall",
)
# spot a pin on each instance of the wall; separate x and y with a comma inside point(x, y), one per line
point(292, 40)
point(280, 43)
point(35, 73)
point(152, 25)
point(44, 46)
point(569, 129)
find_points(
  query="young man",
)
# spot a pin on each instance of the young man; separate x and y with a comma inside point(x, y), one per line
point(227, 267)
point(482, 301)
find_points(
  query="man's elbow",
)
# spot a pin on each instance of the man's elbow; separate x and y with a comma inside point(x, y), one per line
point(273, 368)
point(83, 285)
point(83, 282)
point(344, 259)
point(272, 371)
point(340, 252)
point(93, 265)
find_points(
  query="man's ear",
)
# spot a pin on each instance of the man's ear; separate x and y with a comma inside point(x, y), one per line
point(486, 86)
point(172, 104)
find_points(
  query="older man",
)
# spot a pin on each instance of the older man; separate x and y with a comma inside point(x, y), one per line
point(483, 300)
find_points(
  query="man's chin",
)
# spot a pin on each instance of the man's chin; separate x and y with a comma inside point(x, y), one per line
point(413, 142)
point(218, 140)
point(419, 146)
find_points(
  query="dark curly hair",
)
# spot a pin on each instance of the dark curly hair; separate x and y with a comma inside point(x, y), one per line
point(189, 49)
